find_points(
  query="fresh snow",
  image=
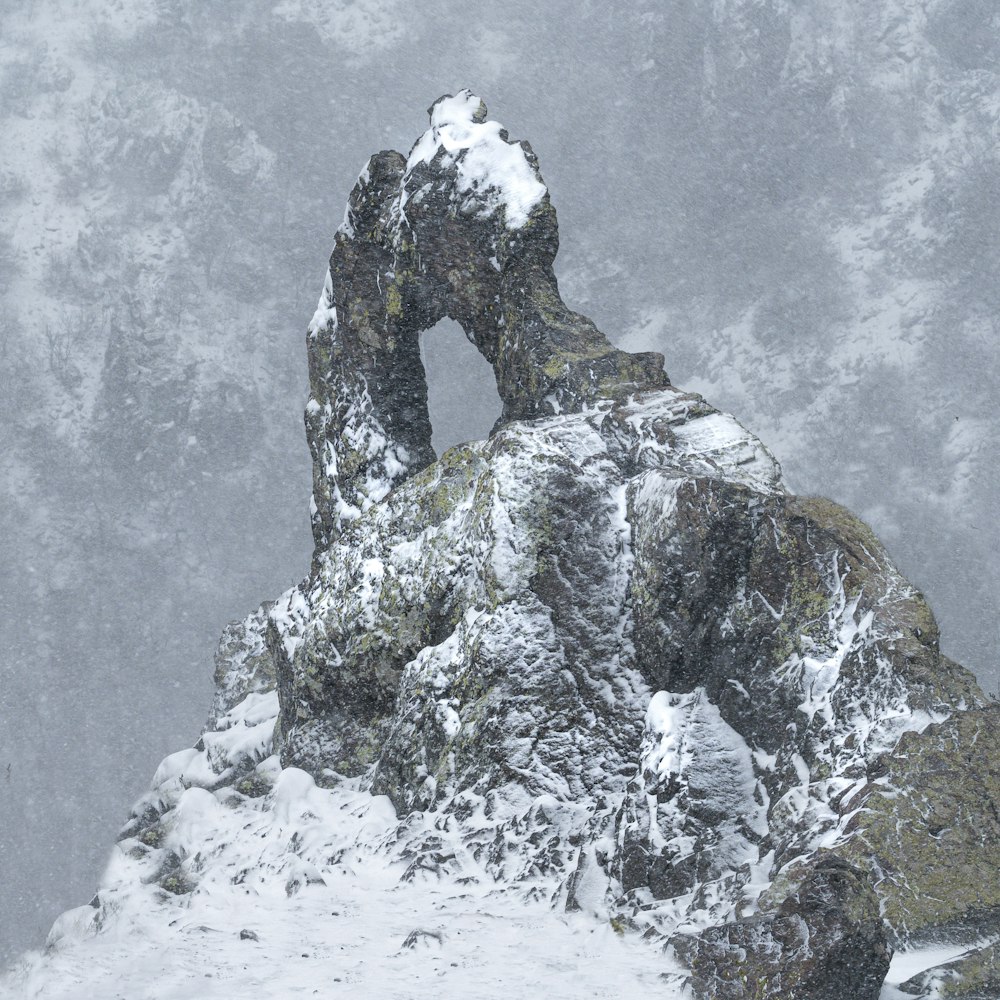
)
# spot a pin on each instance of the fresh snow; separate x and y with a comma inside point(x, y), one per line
point(347, 938)
point(492, 172)
point(310, 891)
point(909, 963)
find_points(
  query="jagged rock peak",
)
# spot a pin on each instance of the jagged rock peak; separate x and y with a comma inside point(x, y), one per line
point(606, 644)
point(463, 227)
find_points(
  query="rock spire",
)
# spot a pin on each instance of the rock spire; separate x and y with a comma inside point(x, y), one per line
point(463, 227)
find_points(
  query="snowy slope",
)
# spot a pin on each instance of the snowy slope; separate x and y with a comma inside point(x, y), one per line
point(310, 890)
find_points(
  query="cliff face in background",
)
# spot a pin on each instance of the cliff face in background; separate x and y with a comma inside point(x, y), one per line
point(601, 663)
point(796, 208)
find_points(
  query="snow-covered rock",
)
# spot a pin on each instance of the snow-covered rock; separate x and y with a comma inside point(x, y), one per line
point(602, 660)
point(463, 228)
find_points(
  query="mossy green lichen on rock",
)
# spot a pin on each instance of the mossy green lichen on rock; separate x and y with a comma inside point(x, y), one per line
point(253, 786)
point(177, 885)
point(152, 836)
point(972, 976)
point(929, 827)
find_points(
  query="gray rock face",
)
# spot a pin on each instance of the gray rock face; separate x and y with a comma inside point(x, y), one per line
point(928, 818)
point(826, 941)
point(604, 649)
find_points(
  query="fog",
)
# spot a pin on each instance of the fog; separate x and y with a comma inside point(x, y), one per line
point(796, 204)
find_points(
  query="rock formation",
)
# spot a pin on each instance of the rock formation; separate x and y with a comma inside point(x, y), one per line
point(463, 228)
point(603, 652)
point(491, 628)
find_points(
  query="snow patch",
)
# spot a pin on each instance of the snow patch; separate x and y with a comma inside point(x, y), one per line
point(493, 173)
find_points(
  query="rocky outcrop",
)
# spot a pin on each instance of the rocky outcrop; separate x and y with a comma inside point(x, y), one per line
point(826, 941)
point(927, 823)
point(602, 657)
point(606, 642)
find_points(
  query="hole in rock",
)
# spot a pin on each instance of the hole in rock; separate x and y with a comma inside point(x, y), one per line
point(462, 393)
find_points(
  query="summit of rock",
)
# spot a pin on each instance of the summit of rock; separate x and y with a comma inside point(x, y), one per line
point(464, 228)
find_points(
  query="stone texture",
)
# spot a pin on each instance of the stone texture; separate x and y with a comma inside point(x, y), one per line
point(825, 941)
point(243, 662)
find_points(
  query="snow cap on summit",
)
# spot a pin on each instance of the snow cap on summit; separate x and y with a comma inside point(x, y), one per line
point(465, 106)
point(492, 171)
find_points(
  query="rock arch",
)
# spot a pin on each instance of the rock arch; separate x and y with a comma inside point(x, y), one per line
point(462, 395)
point(463, 227)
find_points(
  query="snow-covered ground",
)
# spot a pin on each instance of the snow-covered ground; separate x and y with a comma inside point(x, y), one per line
point(364, 933)
point(351, 926)
point(309, 891)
